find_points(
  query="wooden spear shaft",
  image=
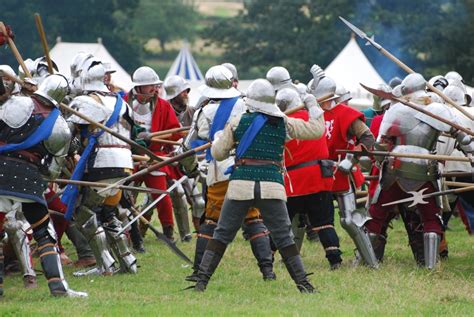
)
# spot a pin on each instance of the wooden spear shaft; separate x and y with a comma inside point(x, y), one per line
point(115, 134)
point(430, 86)
point(44, 43)
point(15, 51)
point(164, 132)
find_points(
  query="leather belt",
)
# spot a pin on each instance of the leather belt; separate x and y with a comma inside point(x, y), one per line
point(304, 164)
point(255, 162)
point(117, 146)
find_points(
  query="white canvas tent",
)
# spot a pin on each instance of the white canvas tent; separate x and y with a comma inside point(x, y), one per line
point(351, 67)
point(63, 53)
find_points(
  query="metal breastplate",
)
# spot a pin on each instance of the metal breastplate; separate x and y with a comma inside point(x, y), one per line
point(122, 127)
point(142, 114)
point(421, 135)
point(58, 142)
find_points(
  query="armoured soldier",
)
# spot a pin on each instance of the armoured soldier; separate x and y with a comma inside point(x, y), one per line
point(344, 128)
point(225, 104)
point(104, 159)
point(404, 130)
point(309, 180)
point(280, 78)
point(8, 87)
point(177, 90)
point(235, 75)
point(34, 140)
point(257, 180)
point(152, 113)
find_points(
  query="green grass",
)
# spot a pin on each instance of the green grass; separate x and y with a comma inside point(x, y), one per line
point(397, 288)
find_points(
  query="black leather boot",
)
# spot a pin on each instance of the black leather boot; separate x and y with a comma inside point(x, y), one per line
point(295, 267)
point(210, 260)
point(206, 231)
point(259, 238)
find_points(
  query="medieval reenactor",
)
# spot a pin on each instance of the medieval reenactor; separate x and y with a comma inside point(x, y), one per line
point(257, 177)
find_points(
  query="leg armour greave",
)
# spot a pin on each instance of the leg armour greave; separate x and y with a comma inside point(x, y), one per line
point(180, 209)
point(352, 222)
point(95, 235)
point(431, 244)
point(119, 244)
point(51, 265)
point(14, 227)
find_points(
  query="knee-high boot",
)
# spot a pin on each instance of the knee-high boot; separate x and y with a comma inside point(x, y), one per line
point(210, 260)
point(206, 231)
point(295, 267)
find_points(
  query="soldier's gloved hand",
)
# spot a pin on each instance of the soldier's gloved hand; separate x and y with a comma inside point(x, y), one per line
point(144, 136)
point(346, 164)
point(3, 37)
point(312, 105)
point(463, 138)
point(317, 72)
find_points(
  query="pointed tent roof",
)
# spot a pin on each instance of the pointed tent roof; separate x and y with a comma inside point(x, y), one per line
point(63, 53)
point(185, 66)
point(351, 67)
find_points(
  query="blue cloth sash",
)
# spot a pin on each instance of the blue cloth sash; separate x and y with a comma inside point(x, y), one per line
point(40, 134)
point(220, 119)
point(247, 138)
point(70, 194)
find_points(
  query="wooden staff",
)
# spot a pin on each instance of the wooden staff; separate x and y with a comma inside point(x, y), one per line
point(140, 158)
point(389, 95)
point(44, 43)
point(159, 165)
point(15, 51)
point(133, 144)
point(155, 139)
point(103, 185)
point(370, 40)
point(169, 131)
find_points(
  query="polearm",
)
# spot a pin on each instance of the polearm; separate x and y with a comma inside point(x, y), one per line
point(44, 43)
point(15, 51)
point(103, 185)
point(159, 165)
point(161, 237)
point(370, 40)
point(409, 155)
point(418, 196)
point(133, 144)
point(153, 204)
point(447, 174)
point(389, 95)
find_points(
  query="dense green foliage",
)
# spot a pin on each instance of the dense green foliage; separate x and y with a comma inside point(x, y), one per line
point(431, 36)
point(74, 21)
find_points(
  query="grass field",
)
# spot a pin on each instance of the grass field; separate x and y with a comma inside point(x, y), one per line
point(397, 288)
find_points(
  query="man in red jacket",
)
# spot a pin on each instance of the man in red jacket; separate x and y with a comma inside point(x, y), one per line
point(309, 180)
point(153, 114)
point(345, 128)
